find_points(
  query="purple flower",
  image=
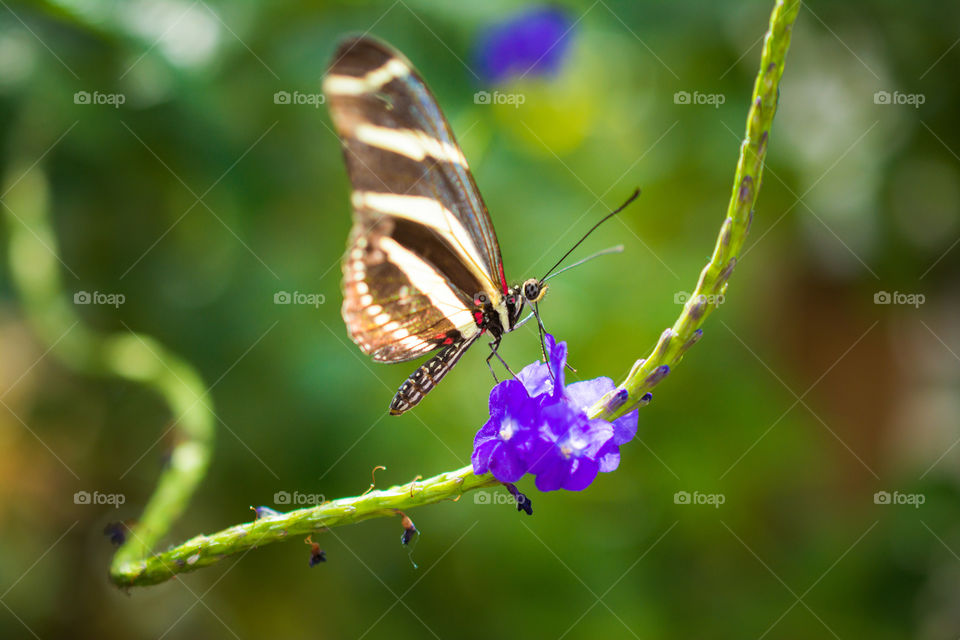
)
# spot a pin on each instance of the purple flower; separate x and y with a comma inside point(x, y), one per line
point(534, 41)
point(503, 445)
point(538, 425)
point(572, 449)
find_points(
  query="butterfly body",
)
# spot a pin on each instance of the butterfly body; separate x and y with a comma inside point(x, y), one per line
point(423, 269)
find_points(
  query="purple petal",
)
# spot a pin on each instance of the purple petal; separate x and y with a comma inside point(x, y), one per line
point(583, 394)
point(487, 431)
point(557, 418)
point(557, 351)
point(506, 464)
point(590, 437)
point(625, 427)
point(536, 379)
point(481, 456)
point(552, 473)
point(582, 473)
point(609, 457)
point(508, 393)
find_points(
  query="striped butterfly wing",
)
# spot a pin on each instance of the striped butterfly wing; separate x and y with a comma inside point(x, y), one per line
point(422, 244)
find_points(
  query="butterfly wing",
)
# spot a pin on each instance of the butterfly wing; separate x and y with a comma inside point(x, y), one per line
point(396, 305)
point(422, 244)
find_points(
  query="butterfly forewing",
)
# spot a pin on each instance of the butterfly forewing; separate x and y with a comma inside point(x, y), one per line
point(402, 158)
point(422, 245)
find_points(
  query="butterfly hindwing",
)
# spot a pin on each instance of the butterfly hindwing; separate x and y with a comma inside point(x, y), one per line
point(397, 306)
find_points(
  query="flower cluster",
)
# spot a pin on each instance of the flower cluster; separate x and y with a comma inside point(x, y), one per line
point(538, 425)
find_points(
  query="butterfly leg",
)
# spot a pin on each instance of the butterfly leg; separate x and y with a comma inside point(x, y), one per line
point(490, 366)
point(543, 345)
point(494, 346)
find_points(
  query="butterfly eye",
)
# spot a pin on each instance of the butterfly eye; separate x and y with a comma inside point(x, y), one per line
point(531, 291)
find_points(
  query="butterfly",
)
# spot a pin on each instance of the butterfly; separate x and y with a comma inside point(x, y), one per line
point(423, 270)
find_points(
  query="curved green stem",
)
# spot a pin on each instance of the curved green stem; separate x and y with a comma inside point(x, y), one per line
point(36, 274)
point(712, 283)
point(136, 357)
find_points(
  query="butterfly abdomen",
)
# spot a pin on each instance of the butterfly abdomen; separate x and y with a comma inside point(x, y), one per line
point(428, 375)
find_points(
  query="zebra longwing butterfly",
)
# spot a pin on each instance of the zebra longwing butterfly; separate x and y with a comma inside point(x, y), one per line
point(423, 269)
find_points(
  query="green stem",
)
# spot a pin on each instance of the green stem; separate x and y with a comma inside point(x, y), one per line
point(36, 274)
point(712, 283)
point(136, 357)
point(204, 550)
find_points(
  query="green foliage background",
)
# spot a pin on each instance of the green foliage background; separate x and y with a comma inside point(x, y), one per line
point(803, 399)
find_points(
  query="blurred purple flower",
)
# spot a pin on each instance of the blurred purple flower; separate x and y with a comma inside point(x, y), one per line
point(534, 41)
point(538, 425)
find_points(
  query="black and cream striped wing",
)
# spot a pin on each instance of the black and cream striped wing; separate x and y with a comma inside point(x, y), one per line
point(396, 304)
point(422, 245)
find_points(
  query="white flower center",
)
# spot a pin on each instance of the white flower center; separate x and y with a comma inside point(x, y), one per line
point(507, 429)
point(572, 445)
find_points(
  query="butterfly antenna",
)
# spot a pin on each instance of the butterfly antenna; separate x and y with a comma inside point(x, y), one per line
point(592, 229)
point(616, 249)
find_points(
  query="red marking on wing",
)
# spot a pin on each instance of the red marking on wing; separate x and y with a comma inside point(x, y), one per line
point(478, 317)
point(503, 280)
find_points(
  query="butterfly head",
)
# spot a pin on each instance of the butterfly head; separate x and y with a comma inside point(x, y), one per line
point(530, 292)
point(534, 290)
